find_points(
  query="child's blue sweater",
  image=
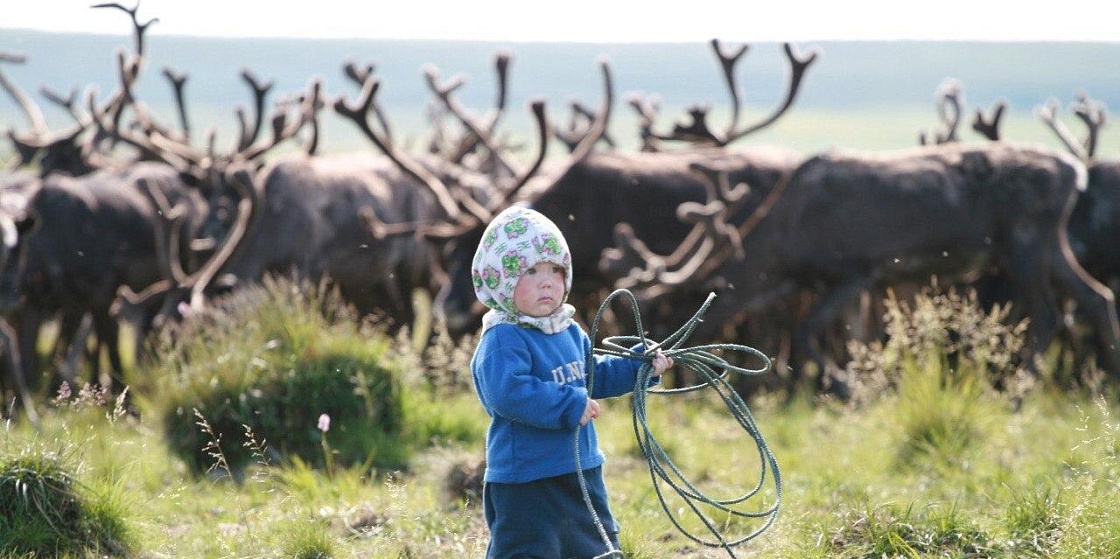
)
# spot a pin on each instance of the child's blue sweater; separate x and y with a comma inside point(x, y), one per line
point(534, 387)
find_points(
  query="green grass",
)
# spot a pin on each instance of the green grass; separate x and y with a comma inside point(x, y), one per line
point(937, 464)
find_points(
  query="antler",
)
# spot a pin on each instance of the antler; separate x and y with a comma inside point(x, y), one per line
point(647, 113)
point(30, 109)
point(595, 132)
point(118, 103)
point(631, 259)
point(717, 244)
point(260, 92)
point(698, 132)
point(177, 286)
point(282, 130)
point(989, 128)
point(949, 100)
point(28, 145)
point(710, 232)
point(1091, 113)
point(579, 126)
point(178, 85)
point(480, 130)
point(1095, 116)
point(358, 112)
point(140, 28)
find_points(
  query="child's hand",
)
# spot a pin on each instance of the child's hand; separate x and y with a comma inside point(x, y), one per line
point(591, 412)
point(661, 362)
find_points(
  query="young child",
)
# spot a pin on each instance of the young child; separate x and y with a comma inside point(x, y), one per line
point(530, 371)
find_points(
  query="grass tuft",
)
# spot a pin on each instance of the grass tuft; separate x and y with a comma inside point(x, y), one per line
point(46, 511)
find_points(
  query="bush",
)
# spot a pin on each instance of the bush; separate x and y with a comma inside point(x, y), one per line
point(253, 378)
point(945, 334)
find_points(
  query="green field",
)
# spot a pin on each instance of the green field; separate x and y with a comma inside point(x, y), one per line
point(930, 461)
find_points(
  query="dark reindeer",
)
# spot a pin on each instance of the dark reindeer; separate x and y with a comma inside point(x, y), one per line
point(72, 152)
point(164, 304)
point(313, 222)
point(1094, 223)
point(194, 239)
point(460, 197)
point(91, 235)
point(13, 383)
point(846, 223)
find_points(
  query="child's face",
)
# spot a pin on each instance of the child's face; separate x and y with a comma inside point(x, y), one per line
point(540, 290)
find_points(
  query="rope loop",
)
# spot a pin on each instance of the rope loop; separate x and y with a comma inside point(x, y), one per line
point(712, 372)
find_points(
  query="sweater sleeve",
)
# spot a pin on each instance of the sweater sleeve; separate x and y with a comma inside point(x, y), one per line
point(614, 376)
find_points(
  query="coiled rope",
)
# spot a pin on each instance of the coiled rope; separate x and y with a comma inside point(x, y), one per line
point(714, 371)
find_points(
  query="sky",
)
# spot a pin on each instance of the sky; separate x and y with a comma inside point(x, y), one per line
point(591, 20)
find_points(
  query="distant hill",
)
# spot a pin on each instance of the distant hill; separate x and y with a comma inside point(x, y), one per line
point(850, 80)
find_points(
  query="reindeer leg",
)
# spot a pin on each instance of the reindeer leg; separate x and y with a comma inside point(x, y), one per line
point(1029, 279)
point(9, 345)
point(826, 311)
point(28, 324)
point(1095, 302)
point(108, 335)
point(69, 348)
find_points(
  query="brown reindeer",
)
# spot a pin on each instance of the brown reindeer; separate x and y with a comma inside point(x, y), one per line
point(845, 223)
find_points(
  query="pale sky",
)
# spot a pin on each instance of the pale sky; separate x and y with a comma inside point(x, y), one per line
point(591, 20)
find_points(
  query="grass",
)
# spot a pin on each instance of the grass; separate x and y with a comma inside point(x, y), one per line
point(937, 464)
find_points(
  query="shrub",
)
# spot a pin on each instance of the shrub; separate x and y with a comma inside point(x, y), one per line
point(269, 362)
point(945, 334)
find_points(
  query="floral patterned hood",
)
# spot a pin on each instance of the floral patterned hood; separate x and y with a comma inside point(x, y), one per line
point(518, 239)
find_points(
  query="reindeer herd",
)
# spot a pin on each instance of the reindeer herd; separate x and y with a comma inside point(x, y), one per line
point(122, 218)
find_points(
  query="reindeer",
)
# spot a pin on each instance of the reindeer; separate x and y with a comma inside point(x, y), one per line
point(315, 219)
point(71, 152)
point(164, 304)
point(848, 222)
point(1092, 225)
point(1095, 221)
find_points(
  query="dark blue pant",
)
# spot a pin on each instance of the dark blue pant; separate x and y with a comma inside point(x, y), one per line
point(548, 518)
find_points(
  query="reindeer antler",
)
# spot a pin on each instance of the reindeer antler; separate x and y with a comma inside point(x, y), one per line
point(710, 243)
point(358, 112)
point(710, 233)
point(480, 130)
point(462, 211)
point(949, 99)
point(989, 128)
point(579, 126)
point(647, 109)
point(698, 132)
point(1094, 116)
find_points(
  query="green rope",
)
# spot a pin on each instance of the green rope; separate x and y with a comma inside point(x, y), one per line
point(714, 371)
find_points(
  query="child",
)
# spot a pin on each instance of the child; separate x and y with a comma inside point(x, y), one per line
point(530, 371)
